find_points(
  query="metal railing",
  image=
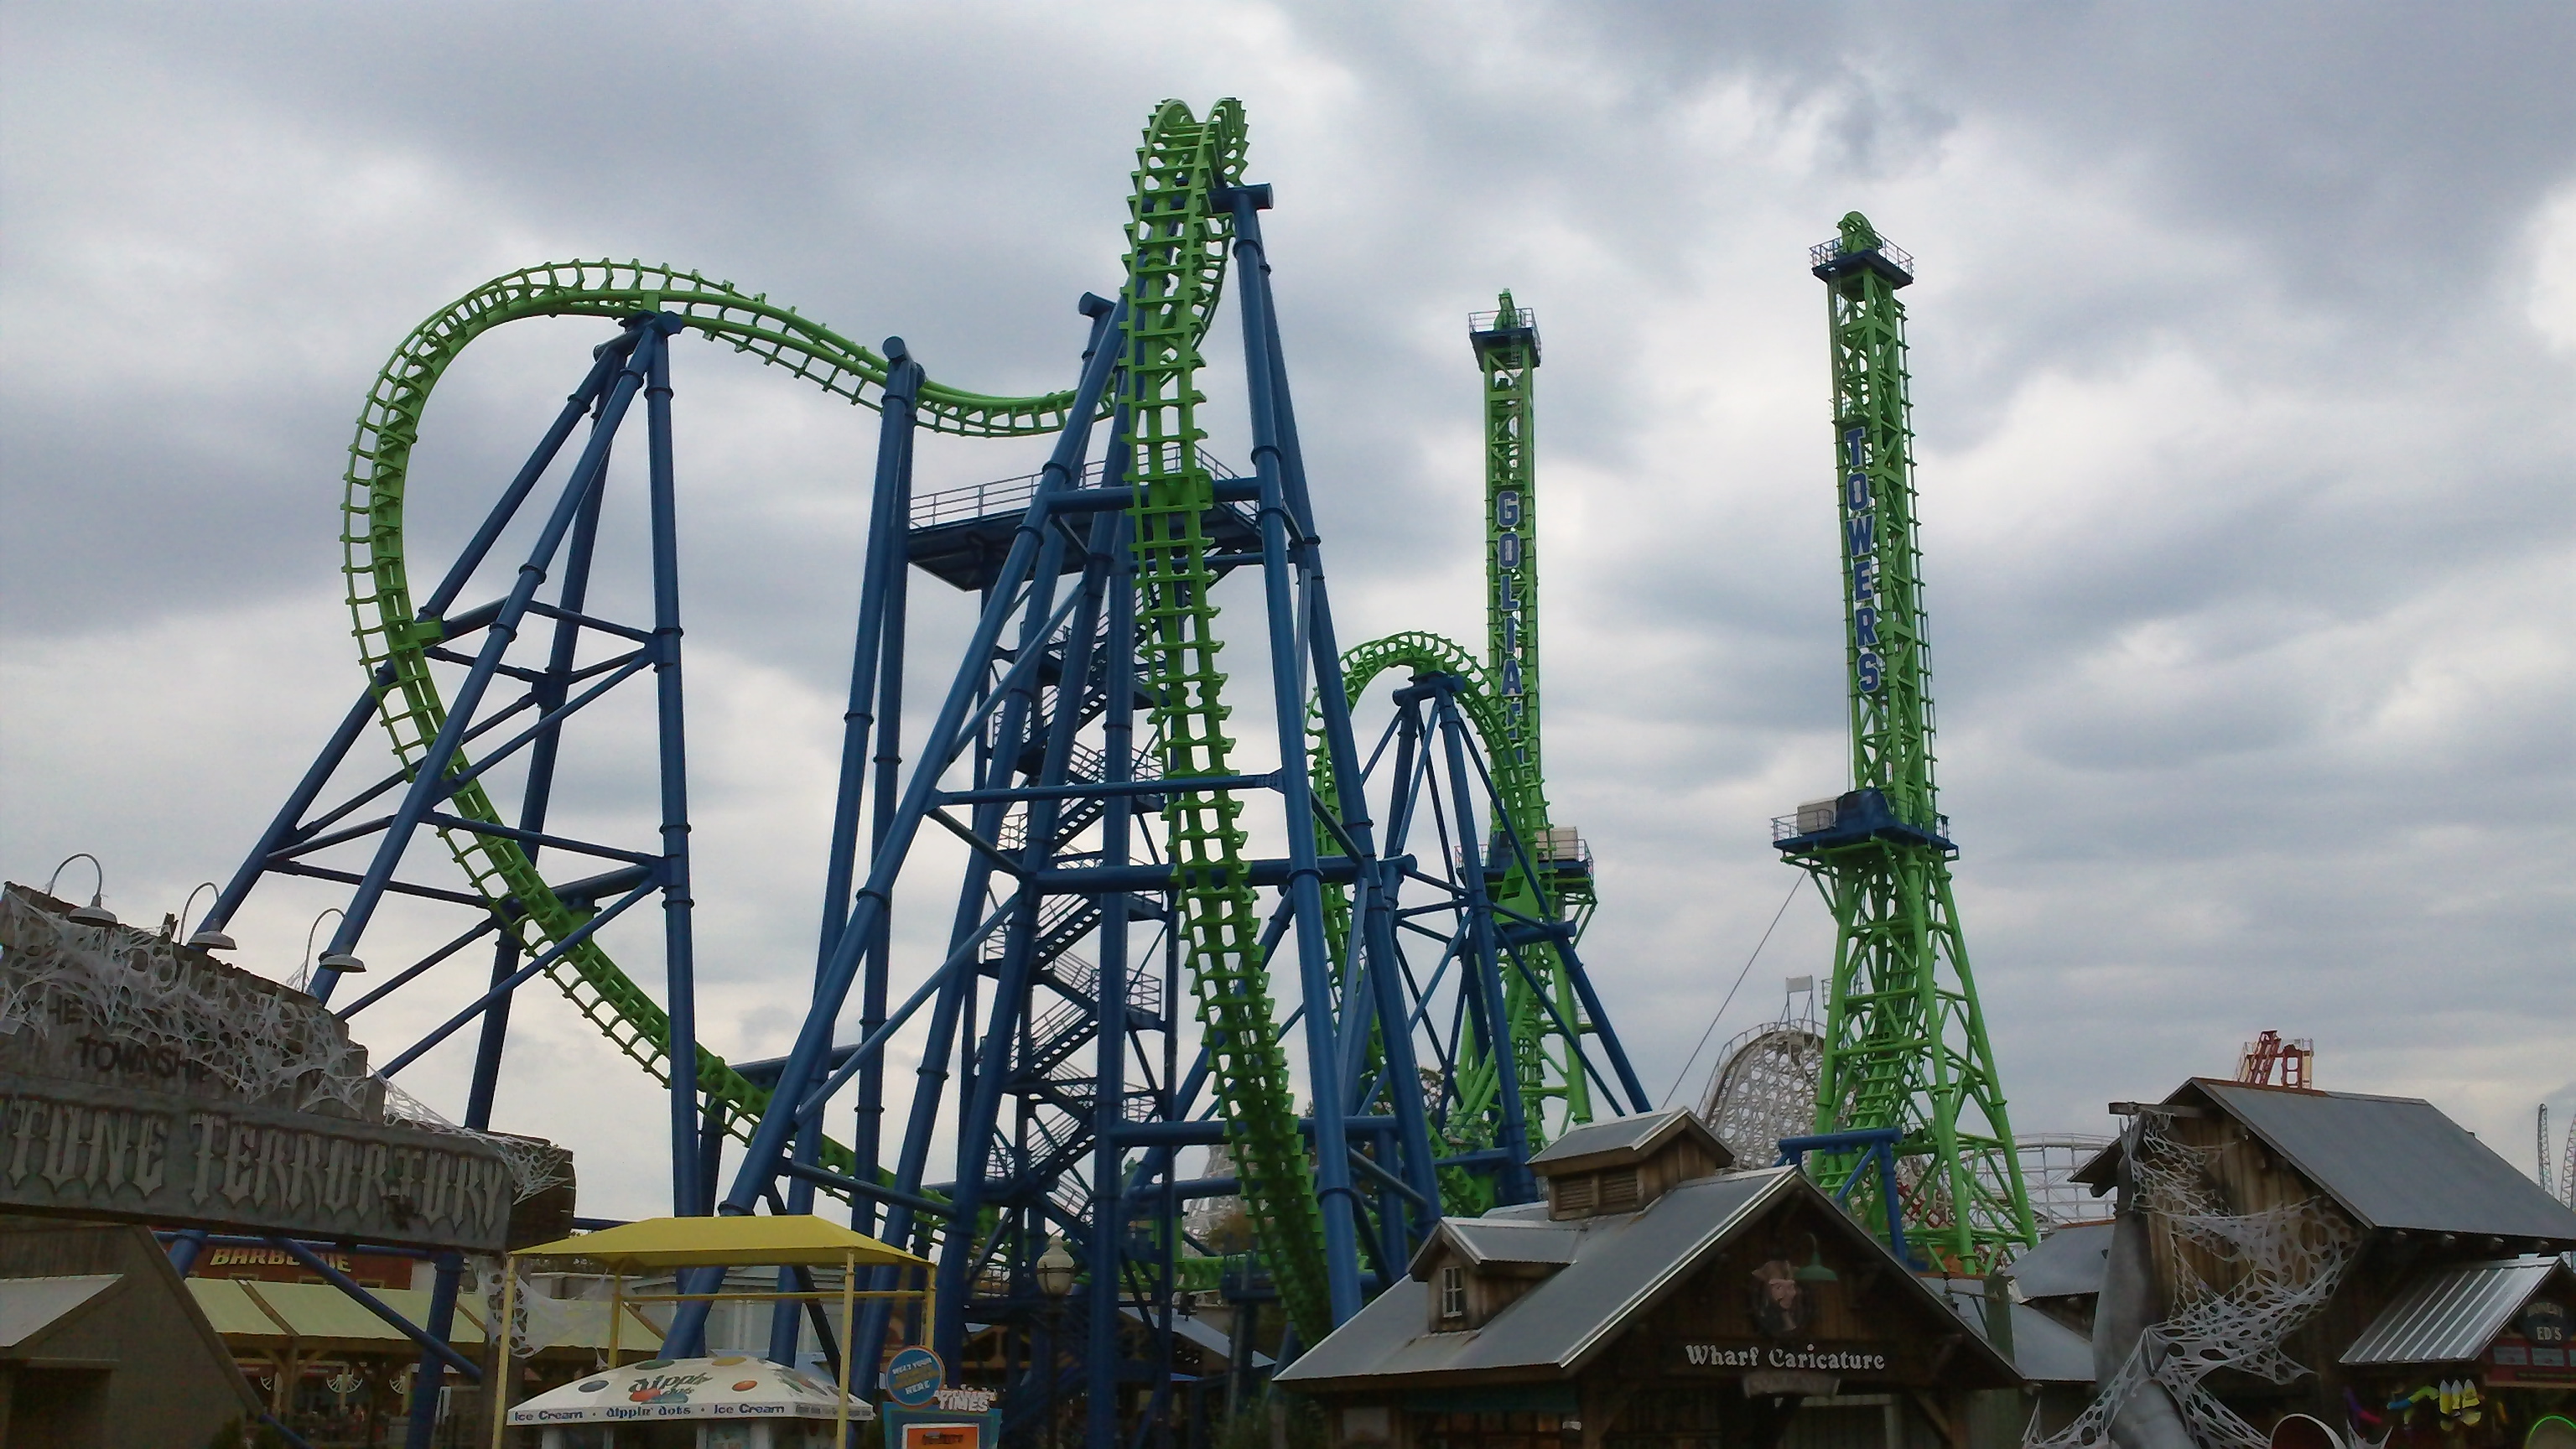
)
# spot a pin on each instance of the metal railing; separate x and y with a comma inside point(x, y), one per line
point(1832, 250)
point(1011, 495)
point(1784, 827)
point(1491, 321)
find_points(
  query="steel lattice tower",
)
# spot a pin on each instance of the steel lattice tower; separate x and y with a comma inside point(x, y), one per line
point(1541, 1002)
point(1905, 1040)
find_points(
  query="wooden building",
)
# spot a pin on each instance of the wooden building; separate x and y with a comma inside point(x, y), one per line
point(1655, 1300)
point(2438, 1230)
point(101, 1346)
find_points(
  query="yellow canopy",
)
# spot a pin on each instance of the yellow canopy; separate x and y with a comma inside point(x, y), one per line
point(797, 1240)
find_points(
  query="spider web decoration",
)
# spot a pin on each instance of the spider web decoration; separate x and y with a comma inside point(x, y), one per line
point(2279, 1266)
point(237, 1033)
point(535, 1165)
point(537, 1319)
point(242, 1034)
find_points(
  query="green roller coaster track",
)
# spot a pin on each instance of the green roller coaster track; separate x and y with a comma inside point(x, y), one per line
point(1176, 260)
point(1500, 698)
point(1178, 238)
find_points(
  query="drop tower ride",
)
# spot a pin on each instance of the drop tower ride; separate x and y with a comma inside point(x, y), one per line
point(1905, 1040)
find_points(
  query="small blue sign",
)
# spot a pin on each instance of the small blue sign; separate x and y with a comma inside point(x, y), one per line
point(914, 1376)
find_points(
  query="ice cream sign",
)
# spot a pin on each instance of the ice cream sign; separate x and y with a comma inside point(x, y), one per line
point(732, 1386)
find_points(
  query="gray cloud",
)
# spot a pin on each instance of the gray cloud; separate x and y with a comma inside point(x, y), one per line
point(2241, 395)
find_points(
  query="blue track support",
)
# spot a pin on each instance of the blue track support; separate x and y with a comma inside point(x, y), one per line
point(314, 1263)
point(1019, 704)
point(875, 665)
point(1512, 1179)
point(1305, 884)
point(688, 1197)
point(422, 1424)
point(762, 1159)
point(538, 795)
point(1877, 1145)
point(1109, 1070)
point(429, 784)
point(1280, 465)
point(185, 1249)
point(282, 828)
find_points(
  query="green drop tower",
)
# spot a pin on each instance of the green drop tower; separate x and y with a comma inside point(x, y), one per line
point(1905, 1040)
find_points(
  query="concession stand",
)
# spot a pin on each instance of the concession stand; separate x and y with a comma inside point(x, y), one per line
point(727, 1402)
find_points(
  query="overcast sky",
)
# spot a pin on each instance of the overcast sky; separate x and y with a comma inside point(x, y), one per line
point(2244, 350)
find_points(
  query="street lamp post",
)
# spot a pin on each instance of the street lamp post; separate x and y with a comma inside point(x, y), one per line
point(1055, 1280)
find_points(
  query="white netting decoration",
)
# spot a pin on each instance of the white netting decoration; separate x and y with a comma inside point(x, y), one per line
point(534, 1166)
point(2278, 1267)
point(132, 990)
point(536, 1320)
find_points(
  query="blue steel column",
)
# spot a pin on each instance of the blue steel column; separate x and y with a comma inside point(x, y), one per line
point(1304, 886)
point(869, 1141)
point(1011, 988)
point(803, 1067)
point(429, 780)
point(689, 1192)
point(884, 569)
point(281, 828)
point(1514, 1175)
point(1109, 1087)
point(534, 802)
point(1282, 467)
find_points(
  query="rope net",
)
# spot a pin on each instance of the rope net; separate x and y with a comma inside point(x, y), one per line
point(2241, 1284)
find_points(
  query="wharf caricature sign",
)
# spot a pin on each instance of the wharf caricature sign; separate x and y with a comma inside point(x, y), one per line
point(1860, 540)
point(1812, 1357)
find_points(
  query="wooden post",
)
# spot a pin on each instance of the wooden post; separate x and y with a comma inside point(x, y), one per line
point(849, 1350)
point(616, 1313)
point(290, 1372)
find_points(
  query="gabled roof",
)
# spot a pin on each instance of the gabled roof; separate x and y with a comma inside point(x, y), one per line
point(2068, 1263)
point(2453, 1315)
point(1622, 1266)
point(1623, 1140)
point(2391, 1162)
point(30, 1307)
point(1499, 1240)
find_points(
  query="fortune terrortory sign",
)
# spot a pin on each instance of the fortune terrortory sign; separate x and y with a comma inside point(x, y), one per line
point(145, 1081)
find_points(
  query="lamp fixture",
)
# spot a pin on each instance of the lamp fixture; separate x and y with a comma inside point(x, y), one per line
point(96, 912)
point(209, 938)
point(304, 973)
point(1055, 1271)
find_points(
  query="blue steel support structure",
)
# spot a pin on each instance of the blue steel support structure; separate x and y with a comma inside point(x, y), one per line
point(1076, 1085)
point(637, 361)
